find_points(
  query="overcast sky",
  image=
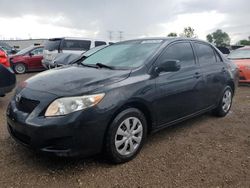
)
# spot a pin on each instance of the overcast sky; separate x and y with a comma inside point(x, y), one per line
point(135, 18)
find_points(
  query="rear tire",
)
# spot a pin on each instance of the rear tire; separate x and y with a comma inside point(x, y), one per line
point(19, 68)
point(126, 136)
point(225, 103)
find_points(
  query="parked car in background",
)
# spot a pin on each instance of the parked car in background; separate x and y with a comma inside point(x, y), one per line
point(28, 59)
point(7, 79)
point(241, 57)
point(56, 46)
point(67, 59)
point(223, 50)
point(115, 97)
point(9, 50)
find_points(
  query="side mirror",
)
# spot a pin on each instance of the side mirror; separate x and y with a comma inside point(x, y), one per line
point(31, 54)
point(170, 65)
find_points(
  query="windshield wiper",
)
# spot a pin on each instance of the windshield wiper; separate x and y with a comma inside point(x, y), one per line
point(104, 66)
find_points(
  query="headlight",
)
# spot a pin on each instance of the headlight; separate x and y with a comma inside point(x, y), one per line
point(67, 105)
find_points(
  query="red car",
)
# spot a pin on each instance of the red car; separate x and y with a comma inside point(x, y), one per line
point(4, 59)
point(241, 57)
point(28, 59)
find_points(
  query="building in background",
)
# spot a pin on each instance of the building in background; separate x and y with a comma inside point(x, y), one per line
point(21, 44)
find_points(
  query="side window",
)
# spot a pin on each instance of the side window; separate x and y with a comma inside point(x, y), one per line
point(76, 45)
point(218, 58)
point(100, 43)
point(180, 51)
point(205, 53)
point(37, 51)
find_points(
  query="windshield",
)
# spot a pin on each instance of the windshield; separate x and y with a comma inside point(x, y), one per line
point(240, 54)
point(24, 51)
point(52, 44)
point(128, 54)
point(93, 50)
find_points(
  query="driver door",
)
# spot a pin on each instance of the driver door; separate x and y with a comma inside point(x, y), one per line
point(178, 93)
point(34, 58)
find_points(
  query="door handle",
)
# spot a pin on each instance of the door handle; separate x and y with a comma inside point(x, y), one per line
point(197, 75)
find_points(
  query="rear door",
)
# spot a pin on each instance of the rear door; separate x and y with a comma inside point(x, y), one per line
point(179, 93)
point(213, 70)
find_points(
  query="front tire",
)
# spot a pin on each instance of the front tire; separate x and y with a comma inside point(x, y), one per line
point(126, 135)
point(225, 103)
point(19, 68)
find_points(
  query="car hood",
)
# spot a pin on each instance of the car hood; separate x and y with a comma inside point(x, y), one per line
point(65, 58)
point(75, 80)
point(242, 62)
point(14, 57)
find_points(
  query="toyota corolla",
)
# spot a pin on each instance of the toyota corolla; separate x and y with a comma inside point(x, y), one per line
point(110, 101)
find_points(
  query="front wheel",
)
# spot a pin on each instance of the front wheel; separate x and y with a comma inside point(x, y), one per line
point(20, 68)
point(126, 135)
point(225, 103)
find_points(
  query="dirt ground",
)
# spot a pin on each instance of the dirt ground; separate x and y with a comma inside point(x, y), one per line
point(202, 152)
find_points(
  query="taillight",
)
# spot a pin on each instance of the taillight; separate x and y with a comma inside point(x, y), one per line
point(4, 60)
point(7, 63)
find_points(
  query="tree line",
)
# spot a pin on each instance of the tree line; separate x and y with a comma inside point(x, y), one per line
point(218, 37)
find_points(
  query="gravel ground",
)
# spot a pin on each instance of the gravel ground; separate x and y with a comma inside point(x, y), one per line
point(202, 152)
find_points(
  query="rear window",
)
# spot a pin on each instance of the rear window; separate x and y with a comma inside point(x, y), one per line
point(76, 45)
point(100, 43)
point(52, 44)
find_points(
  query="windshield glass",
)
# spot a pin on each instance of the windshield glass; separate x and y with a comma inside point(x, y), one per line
point(24, 51)
point(52, 44)
point(93, 50)
point(240, 54)
point(128, 54)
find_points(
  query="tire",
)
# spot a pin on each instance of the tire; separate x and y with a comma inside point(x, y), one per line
point(19, 68)
point(225, 103)
point(119, 138)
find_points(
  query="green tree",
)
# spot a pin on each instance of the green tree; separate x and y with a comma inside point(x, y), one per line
point(172, 34)
point(188, 32)
point(219, 37)
point(210, 38)
point(244, 42)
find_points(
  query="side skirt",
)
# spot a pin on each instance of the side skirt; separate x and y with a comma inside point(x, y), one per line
point(156, 129)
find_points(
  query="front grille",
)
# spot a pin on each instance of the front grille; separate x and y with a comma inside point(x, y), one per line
point(26, 105)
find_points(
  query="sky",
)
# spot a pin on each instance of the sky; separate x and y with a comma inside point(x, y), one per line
point(102, 19)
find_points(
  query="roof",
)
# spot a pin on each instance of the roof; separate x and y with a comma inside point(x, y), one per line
point(77, 38)
point(170, 39)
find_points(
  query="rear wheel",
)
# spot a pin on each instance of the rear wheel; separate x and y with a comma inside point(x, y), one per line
point(20, 68)
point(225, 103)
point(126, 135)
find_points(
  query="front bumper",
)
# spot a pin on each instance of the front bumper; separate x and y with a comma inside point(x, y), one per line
point(47, 64)
point(80, 133)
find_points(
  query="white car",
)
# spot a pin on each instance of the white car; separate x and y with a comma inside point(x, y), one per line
point(55, 46)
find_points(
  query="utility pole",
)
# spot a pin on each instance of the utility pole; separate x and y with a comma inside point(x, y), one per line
point(110, 35)
point(120, 35)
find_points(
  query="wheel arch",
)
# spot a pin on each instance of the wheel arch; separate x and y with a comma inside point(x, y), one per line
point(140, 105)
point(232, 85)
